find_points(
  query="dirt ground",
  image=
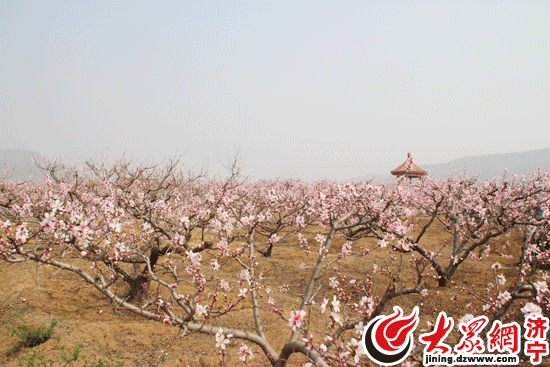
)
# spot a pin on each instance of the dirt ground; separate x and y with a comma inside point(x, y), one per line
point(117, 335)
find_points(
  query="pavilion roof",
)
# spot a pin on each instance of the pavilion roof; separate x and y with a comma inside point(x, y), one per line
point(408, 168)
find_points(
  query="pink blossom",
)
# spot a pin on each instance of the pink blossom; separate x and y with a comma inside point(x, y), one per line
point(215, 265)
point(383, 243)
point(245, 276)
point(300, 221)
point(185, 222)
point(358, 348)
point(243, 292)
point(246, 352)
point(48, 222)
point(336, 317)
point(320, 238)
point(296, 318)
point(324, 305)
point(504, 297)
point(274, 239)
point(222, 340)
point(22, 233)
point(224, 284)
point(531, 309)
point(335, 304)
point(359, 328)
point(466, 318)
point(333, 282)
point(346, 250)
point(200, 310)
point(541, 286)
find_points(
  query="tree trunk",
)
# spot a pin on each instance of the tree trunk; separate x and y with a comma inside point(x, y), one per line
point(443, 280)
point(267, 251)
point(139, 281)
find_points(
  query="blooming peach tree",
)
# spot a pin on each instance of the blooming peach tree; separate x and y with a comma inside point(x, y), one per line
point(191, 250)
point(475, 213)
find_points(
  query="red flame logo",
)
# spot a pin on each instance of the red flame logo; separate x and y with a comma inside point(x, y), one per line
point(388, 339)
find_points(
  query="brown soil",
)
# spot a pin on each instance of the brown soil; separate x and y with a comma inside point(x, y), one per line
point(88, 319)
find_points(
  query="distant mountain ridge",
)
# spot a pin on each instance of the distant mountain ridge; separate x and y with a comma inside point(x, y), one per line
point(486, 166)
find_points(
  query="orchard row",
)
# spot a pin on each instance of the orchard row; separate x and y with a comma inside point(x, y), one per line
point(173, 236)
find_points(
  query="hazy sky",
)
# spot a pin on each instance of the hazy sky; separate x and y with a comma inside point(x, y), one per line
point(308, 89)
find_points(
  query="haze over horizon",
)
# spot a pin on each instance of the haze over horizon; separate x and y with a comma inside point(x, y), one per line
point(310, 89)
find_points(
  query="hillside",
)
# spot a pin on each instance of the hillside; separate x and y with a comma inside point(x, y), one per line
point(487, 166)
